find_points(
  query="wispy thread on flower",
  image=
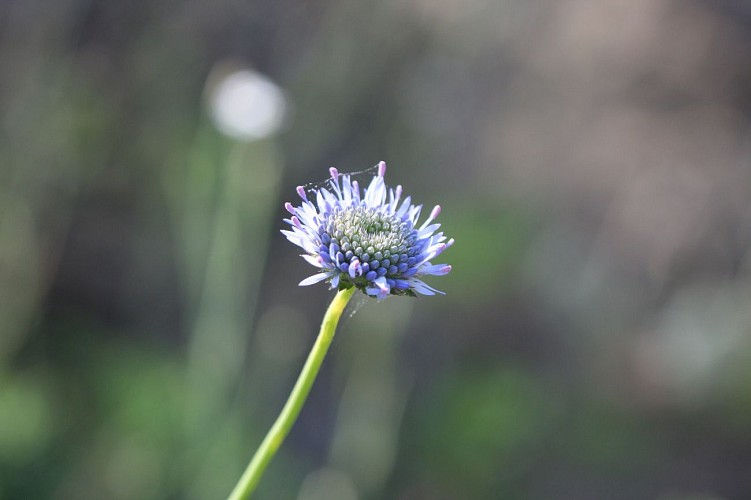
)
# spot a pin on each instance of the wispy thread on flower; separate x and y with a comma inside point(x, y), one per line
point(369, 240)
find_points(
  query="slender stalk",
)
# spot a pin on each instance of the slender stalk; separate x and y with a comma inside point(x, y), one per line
point(286, 419)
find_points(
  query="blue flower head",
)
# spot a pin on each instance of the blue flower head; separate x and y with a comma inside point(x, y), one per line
point(369, 240)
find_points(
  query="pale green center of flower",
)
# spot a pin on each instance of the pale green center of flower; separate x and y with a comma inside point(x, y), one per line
point(371, 236)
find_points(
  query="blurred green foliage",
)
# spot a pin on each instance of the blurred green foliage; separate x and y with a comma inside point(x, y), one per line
point(500, 236)
point(591, 158)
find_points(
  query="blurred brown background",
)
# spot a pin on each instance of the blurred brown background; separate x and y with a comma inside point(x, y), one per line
point(593, 161)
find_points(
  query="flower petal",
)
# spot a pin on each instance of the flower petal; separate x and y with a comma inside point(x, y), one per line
point(310, 280)
point(316, 261)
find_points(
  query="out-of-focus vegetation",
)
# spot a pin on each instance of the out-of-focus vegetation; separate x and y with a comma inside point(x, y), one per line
point(592, 158)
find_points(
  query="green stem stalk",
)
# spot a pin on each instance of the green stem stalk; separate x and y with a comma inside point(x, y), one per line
point(286, 419)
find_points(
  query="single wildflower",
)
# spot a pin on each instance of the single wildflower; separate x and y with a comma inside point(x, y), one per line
point(368, 240)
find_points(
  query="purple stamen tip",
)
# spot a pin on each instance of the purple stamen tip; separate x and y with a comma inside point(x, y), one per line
point(446, 269)
point(449, 242)
point(301, 192)
point(290, 208)
point(334, 173)
point(436, 212)
point(296, 221)
point(381, 168)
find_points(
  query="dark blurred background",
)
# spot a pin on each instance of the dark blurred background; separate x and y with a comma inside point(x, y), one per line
point(593, 161)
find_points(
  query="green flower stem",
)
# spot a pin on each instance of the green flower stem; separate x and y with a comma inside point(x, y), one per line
point(297, 397)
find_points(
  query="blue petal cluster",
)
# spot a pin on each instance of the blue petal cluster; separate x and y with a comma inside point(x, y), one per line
point(369, 240)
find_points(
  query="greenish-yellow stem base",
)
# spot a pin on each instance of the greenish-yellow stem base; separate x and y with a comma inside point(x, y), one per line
point(286, 419)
